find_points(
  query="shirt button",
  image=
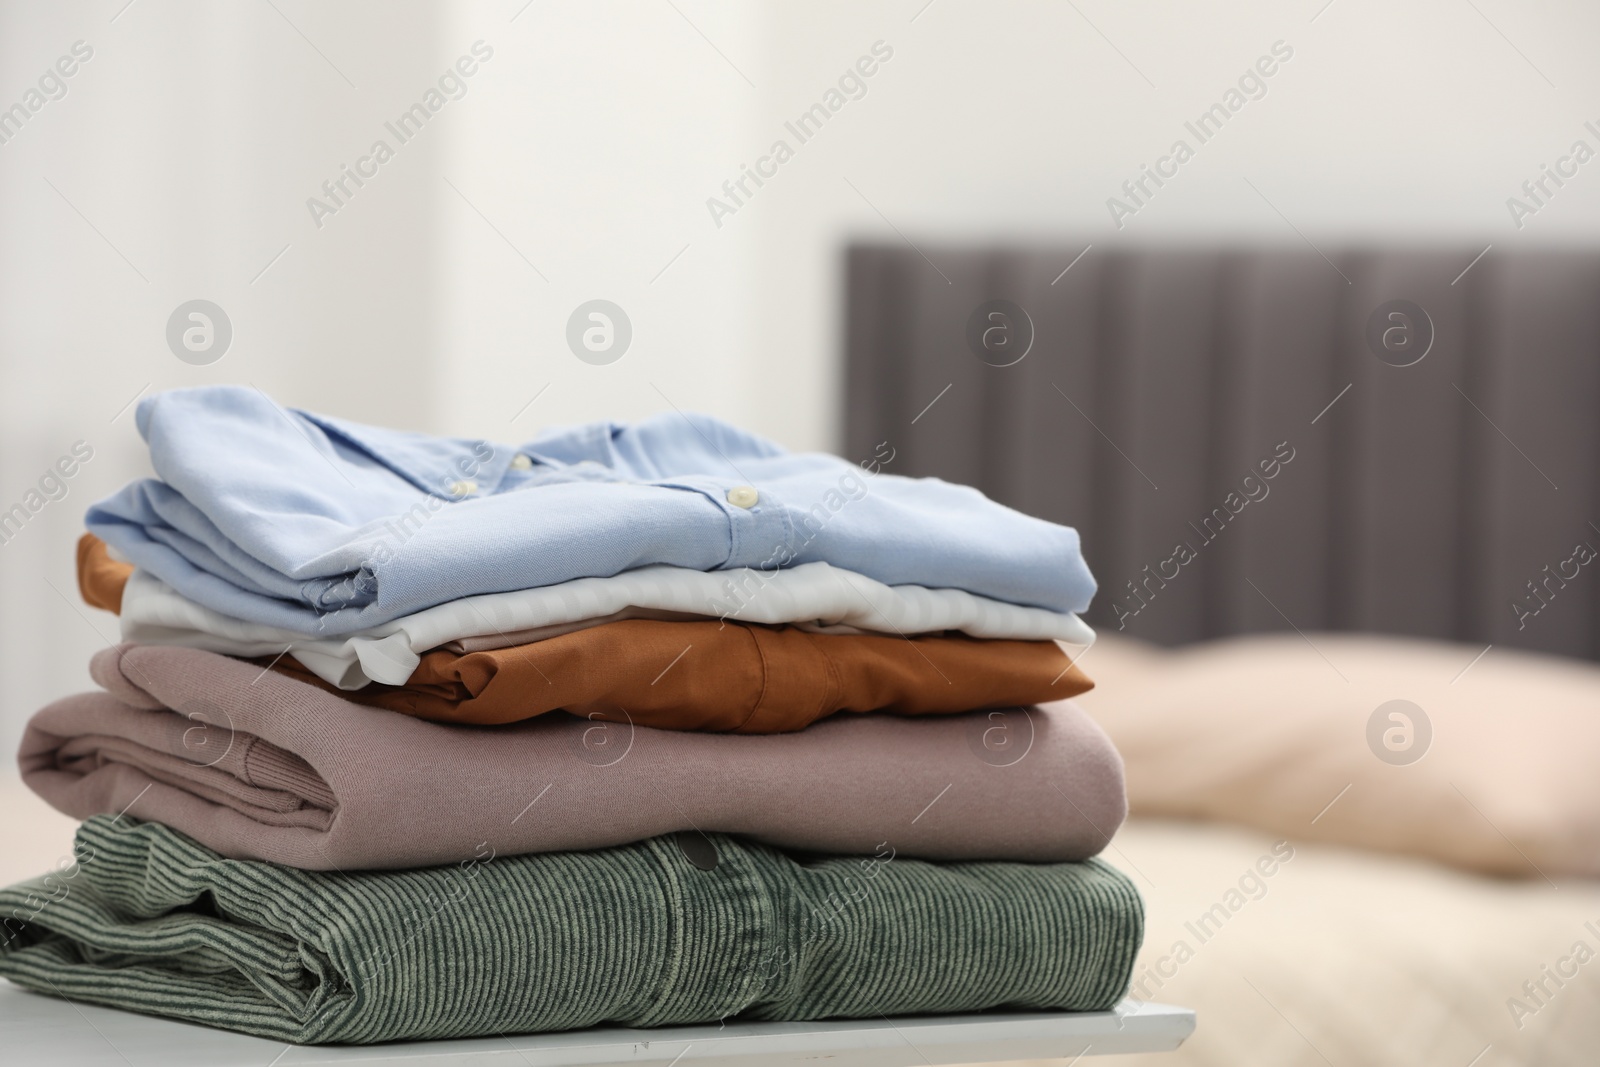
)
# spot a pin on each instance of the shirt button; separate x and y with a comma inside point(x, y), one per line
point(743, 496)
point(463, 488)
point(519, 462)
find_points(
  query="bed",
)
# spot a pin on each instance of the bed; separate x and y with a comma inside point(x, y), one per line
point(1348, 625)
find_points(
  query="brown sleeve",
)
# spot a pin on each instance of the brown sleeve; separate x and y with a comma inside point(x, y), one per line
point(100, 578)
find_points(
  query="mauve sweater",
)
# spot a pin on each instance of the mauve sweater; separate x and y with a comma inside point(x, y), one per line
point(257, 765)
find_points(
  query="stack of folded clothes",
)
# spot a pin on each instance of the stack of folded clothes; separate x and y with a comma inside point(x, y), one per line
point(417, 737)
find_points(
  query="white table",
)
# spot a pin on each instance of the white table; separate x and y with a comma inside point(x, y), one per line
point(57, 1033)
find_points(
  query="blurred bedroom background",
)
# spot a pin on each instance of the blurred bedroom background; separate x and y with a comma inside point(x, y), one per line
point(966, 151)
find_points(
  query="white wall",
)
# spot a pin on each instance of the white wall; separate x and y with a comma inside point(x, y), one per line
point(190, 141)
point(590, 148)
point(587, 147)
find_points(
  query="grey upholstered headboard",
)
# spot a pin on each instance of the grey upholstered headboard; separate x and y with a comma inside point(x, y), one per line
point(1457, 497)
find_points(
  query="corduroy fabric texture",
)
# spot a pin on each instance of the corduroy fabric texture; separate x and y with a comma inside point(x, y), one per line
point(152, 921)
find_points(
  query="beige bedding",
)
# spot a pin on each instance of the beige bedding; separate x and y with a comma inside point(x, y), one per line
point(1357, 959)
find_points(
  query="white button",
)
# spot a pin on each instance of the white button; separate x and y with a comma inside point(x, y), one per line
point(463, 488)
point(519, 462)
point(743, 496)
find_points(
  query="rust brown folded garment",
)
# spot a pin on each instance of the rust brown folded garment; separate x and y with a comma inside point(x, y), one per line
point(100, 578)
point(257, 765)
point(722, 677)
point(709, 675)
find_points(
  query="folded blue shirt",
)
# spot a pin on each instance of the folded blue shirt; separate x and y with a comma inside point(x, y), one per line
point(325, 526)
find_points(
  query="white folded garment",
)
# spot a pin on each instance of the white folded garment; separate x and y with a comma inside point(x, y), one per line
point(814, 596)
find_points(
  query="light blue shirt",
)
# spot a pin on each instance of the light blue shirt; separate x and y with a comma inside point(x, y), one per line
point(325, 526)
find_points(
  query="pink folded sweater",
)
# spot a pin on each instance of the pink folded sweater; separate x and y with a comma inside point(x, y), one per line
point(257, 765)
